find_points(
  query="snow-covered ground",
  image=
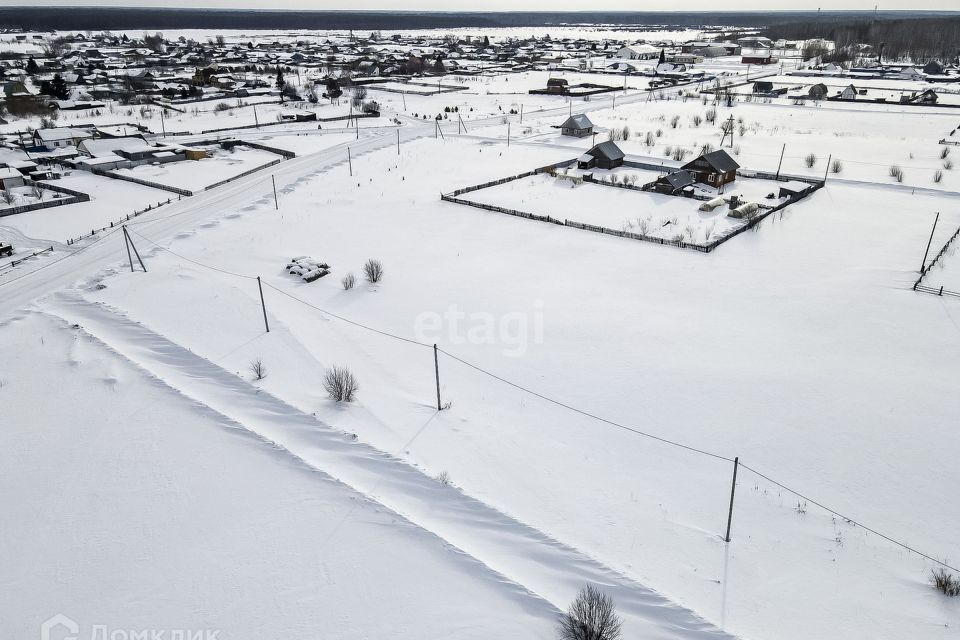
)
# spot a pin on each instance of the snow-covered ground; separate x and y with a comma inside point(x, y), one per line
point(151, 483)
point(680, 346)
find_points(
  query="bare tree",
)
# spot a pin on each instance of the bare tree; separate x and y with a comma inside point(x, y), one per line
point(7, 196)
point(348, 281)
point(591, 616)
point(341, 385)
point(373, 271)
point(258, 370)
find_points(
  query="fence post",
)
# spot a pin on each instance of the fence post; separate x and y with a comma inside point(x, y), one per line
point(263, 305)
point(733, 489)
point(436, 371)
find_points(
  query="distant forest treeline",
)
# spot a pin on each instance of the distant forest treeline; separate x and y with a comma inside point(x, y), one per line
point(918, 39)
point(102, 18)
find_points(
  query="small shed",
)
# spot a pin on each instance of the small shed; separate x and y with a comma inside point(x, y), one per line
point(577, 126)
point(793, 188)
point(673, 183)
point(817, 91)
point(10, 178)
point(762, 86)
point(606, 155)
point(557, 85)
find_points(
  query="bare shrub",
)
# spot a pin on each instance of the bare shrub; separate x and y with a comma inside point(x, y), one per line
point(340, 384)
point(592, 616)
point(697, 120)
point(944, 152)
point(706, 148)
point(258, 370)
point(444, 478)
point(674, 122)
point(836, 166)
point(810, 160)
point(348, 281)
point(680, 153)
point(711, 115)
point(937, 176)
point(650, 140)
point(626, 132)
point(896, 173)
point(38, 191)
point(948, 164)
point(668, 151)
point(946, 583)
point(373, 271)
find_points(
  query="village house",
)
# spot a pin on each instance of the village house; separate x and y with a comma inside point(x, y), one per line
point(577, 126)
point(59, 137)
point(715, 169)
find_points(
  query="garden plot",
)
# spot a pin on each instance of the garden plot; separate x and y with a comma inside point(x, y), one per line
point(197, 175)
point(110, 200)
point(641, 212)
point(25, 196)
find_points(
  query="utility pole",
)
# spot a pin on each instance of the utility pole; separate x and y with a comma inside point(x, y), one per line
point(129, 243)
point(398, 139)
point(733, 489)
point(827, 170)
point(923, 265)
point(276, 203)
point(255, 119)
point(162, 123)
point(781, 159)
point(350, 161)
point(263, 305)
point(436, 371)
point(508, 134)
point(521, 114)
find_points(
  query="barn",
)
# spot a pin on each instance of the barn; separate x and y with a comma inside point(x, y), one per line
point(605, 155)
point(673, 183)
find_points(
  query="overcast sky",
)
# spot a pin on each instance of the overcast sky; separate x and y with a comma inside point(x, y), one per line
point(508, 5)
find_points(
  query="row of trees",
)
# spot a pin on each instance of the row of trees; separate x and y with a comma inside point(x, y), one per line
point(915, 39)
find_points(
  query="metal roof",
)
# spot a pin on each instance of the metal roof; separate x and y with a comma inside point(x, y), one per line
point(579, 121)
point(607, 150)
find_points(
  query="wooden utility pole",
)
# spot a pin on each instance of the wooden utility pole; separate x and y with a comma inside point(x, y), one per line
point(781, 159)
point(923, 265)
point(436, 371)
point(350, 161)
point(276, 203)
point(733, 490)
point(263, 305)
point(129, 242)
point(827, 170)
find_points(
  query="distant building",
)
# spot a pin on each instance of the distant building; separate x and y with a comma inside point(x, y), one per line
point(764, 57)
point(557, 85)
point(59, 137)
point(577, 126)
point(638, 52)
point(673, 183)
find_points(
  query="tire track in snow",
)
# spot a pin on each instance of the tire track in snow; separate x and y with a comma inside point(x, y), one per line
point(521, 554)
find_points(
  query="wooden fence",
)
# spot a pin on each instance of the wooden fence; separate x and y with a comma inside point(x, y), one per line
point(73, 197)
point(704, 248)
point(14, 263)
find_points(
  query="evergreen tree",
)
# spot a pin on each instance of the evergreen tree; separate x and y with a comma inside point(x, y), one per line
point(32, 66)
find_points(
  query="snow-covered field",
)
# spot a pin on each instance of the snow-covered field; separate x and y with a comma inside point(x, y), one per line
point(595, 389)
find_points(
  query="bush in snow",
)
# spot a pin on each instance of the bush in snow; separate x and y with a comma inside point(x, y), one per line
point(348, 281)
point(373, 271)
point(258, 370)
point(836, 166)
point(7, 196)
point(592, 616)
point(810, 160)
point(944, 152)
point(674, 122)
point(948, 164)
point(937, 176)
point(444, 478)
point(896, 173)
point(697, 120)
point(946, 583)
point(340, 384)
point(711, 115)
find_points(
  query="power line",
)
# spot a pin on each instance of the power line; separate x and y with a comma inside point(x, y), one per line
point(60, 259)
point(585, 413)
point(848, 519)
point(199, 264)
point(348, 321)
